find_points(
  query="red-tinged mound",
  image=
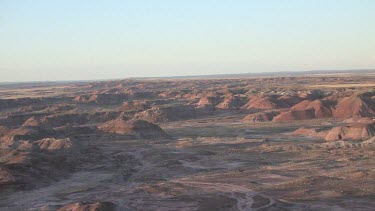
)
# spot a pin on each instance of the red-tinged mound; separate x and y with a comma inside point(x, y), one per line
point(134, 105)
point(352, 107)
point(58, 120)
point(32, 121)
point(251, 99)
point(351, 132)
point(23, 133)
point(32, 108)
point(260, 117)
point(303, 95)
point(207, 102)
point(137, 128)
point(312, 132)
point(320, 109)
point(295, 115)
point(172, 113)
point(52, 144)
point(230, 102)
point(168, 94)
point(82, 99)
point(85, 206)
point(302, 105)
point(105, 99)
point(305, 110)
point(60, 108)
point(264, 103)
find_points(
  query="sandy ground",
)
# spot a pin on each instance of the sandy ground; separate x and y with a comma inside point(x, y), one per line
point(216, 163)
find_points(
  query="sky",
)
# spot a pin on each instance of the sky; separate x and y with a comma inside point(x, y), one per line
point(111, 39)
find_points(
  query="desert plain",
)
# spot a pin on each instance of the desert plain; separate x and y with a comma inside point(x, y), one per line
point(302, 142)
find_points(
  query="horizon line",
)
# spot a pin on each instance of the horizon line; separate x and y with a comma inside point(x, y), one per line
point(211, 76)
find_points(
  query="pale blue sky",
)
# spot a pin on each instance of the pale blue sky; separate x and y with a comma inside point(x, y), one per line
point(88, 39)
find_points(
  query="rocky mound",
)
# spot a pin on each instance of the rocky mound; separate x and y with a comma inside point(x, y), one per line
point(301, 105)
point(24, 133)
point(87, 206)
point(172, 113)
point(32, 108)
point(312, 132)
point(168, 94)
point(58, 120)
point(305, 110)
point(136, 128)
point(352, 107)
point(311, 95)
point(103, 99)
point(303, 95)
point(260, 117)
point(230, 102)
point(52, 144)
point(32, 121)
point(189, 95)
point(263, 103)
point(76, 119)
point(295, 115)
point(321, 110)
point(351, 132)
point(17, 119)
point(82, 99)
point(28, 163)
point(207, 102)
point(134, 105)
point(59, 108)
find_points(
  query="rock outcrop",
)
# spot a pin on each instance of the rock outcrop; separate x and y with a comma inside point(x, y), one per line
point(102, 99)
point(305, 110)
point(360, 131)
point(135, 128)
point(172, 113)
point(310, 132)
point(352, 107)
point(230, 102)
point(53, 144)
point(295, 115)
point(263, 103)
point(134, 105)
point(24, 133)
point(260, 117)
point(209, 102)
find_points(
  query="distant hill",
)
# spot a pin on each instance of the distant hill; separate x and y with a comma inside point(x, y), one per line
point(35, 84)
point(267, 74)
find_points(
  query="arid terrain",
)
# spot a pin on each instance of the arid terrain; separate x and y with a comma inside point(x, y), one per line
point(303, 142)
